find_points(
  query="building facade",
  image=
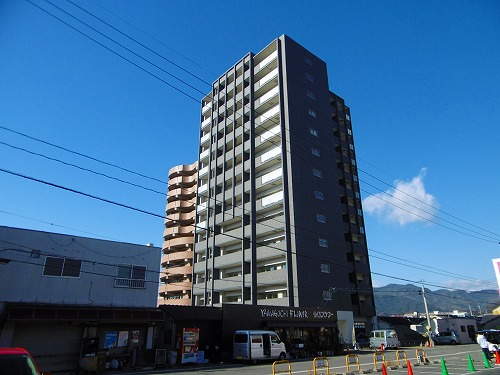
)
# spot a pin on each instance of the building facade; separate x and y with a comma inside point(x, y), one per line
point(279, 220)
point(177, 260)
point(65, 298)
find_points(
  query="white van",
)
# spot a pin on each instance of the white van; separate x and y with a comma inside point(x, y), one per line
point(386, 337)
point(257, 345)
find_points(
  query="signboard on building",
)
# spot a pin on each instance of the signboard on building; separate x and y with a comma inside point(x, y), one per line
point(190, 341)
point(496, 266)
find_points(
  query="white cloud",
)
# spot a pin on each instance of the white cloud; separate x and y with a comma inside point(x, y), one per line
point(406, 203)
point(468, 285)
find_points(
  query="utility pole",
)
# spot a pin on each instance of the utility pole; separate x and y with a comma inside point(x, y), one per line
point(431, 343)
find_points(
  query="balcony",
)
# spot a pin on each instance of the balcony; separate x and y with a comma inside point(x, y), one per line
point(185, 256)
point(268, 115)
point(201, 227)
point(178, 231)
point(271, 76)
point(201, 207)
point(181, 206)
point(130, 283)
point(203, 171)
point(204, 155)
point(178, 271)
point(175, 193)
point(178, 286)
point(205, 139)
point(206, 108)
point(267, 60)
point(182, 181)
point(202, 189)
point(177, 301)
point(267, 96)
point(180, 242)
point(206, 122)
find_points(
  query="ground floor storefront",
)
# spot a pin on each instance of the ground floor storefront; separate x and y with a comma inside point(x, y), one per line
point(305, 331)
point(65, 339)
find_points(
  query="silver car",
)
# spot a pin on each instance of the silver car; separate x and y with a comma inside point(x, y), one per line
point(450, 338)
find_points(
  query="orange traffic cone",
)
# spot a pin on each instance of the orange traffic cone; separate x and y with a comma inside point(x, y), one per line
point(382, 347)
point(410, 370)
point(384, 369)
point(497, 356)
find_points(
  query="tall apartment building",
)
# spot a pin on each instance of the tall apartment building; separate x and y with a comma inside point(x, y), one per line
point(177, 260)
point(279, 220)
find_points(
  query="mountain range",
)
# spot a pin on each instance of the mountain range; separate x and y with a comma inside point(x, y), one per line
point(395, 299)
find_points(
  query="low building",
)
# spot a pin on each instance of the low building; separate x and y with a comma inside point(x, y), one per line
point(405, 328)
point(65, 297)
point(465, 326)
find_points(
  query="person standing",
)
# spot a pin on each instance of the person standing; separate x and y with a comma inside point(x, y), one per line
point(483, 343)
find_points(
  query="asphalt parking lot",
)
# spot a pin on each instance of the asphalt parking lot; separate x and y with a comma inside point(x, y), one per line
point(455, 358)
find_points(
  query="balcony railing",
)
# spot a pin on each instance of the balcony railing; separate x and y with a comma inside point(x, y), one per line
point(130, 283)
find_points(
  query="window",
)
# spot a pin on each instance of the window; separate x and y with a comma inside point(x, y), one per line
point(322, 242)
point(327, 295)
point(321, 218)
point(256, 339)
point(62, 267)
point(319, 195)
point(360, 213)
point(311, 95)
point(317, 173)
point(129, 271)
point(130, 276)
point(308, 60)
point(312, 113)
point(275, 339)
point(315, 152)
point(325, 268)
point(361, 230)
point(313, 132)
point(309, 77)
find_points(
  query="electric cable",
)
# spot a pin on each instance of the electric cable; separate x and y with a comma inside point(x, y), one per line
point(198, 78)
point(116, 53)
point(124, 47)
point(160, 216)
point(81, 168)
point(136, 41)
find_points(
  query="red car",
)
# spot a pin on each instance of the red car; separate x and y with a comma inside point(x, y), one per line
point(17, 361)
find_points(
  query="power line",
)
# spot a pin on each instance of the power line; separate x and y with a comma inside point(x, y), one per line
point(149, 213)
point(203, 93)
point(427, 204)
point(158, 192)
point(125, 48)
point(151, 36)
point(136, 41)
point(425, 212)
point(432, 221)
point(425, 267)
point(56, 225)
point(116, 53)
point(82, 168)
point(80, 154)
point(186, 83)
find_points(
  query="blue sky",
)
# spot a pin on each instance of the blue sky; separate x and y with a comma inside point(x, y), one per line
point(421, 79)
